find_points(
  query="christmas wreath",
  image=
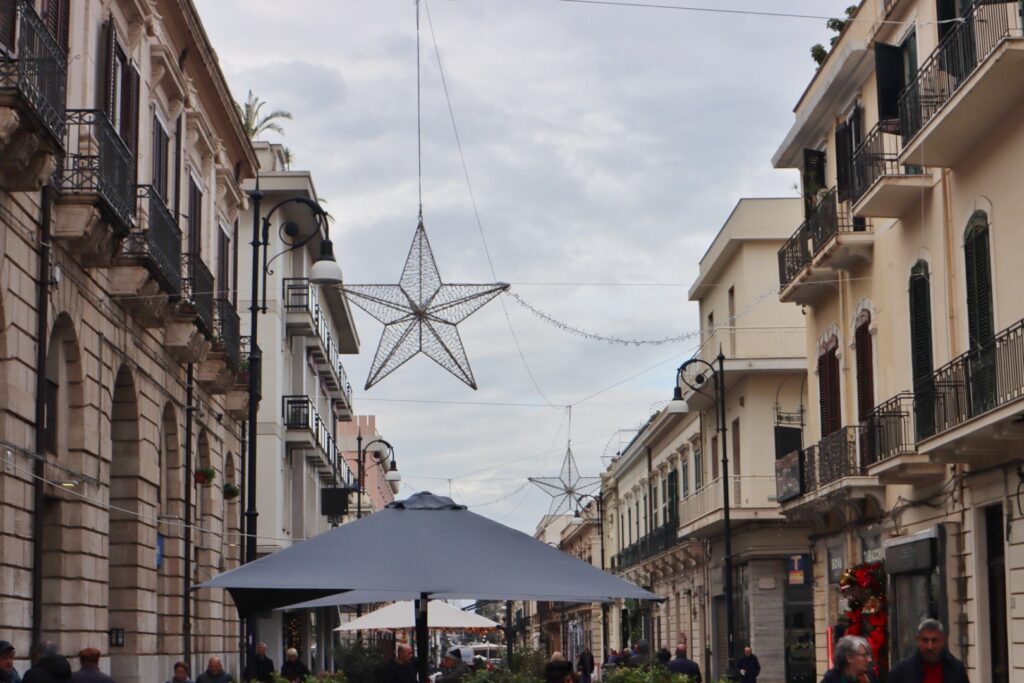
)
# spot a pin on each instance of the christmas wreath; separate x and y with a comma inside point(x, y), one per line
point(863, 586)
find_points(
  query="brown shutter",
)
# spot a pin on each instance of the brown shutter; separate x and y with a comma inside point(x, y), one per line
point(843, 157)
point(55, 18)
point(160, 143)
point(130, 116)
point(8, 24)
point(223, 264)
point(828, 391)
point(824, 397)
point(865, 370)
point(195, 216)
point(109, 63)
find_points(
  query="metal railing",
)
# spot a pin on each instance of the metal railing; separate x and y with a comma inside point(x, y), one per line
point(98, 162)
point(199, 289)
point(964, 48)
point(826, 220)
point(299, 412)
point(972, 384)
point(888, 430)
point(658, 540)
point(159, 245)
point(809, 469)
point(228, 331)
point(838, 456)
point(878, 156)
point(38, 70)
point(300, 295)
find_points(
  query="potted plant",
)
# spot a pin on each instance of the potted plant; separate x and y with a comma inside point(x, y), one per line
point(231, 491)
point(205, 476)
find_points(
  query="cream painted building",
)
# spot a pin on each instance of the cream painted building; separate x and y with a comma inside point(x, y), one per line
point(907, 264)
point(121, 163)
point(663, 496)
point(303, 334)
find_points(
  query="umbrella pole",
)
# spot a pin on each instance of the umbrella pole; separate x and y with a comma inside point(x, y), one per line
point(422, 637)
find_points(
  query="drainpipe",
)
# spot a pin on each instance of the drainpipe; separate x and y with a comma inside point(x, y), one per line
point(186, 618)
point(951, 324)
point(39, 467)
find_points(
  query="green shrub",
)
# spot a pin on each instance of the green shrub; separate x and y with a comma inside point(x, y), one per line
point(646, 674)
point(529, 661)
point(357, 663)
point(501, 677)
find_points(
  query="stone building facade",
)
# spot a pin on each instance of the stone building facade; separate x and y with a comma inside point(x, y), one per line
point(121, 159)
point(908, 140)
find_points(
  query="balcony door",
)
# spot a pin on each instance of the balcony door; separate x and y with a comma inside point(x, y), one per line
point(828, 388)
point(921, 363)
point(981, 364)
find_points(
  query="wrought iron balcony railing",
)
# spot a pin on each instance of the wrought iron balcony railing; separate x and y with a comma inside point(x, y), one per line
point(228, 331)
point(99, 163)
point(35, 67)
point(299, 412)
point(837, 456)
point(972, 384)
point(199, 290)
point(159, 245)
point(658, 540)
point(888, 430)
point(964, 48)
point(878, 156)
point(826, 220)
point(300, 295)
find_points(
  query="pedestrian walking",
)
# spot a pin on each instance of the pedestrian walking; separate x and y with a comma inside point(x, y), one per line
point(262, 667)
point(642, 656)
point(48, 665)
point(748, 666)
point(932, 662)
point(293, 668)
point(8, 674)
point(852, 662)
point(399, 669)
point(215, 673)
point(682, 665)
point(181, 673)
point(89, 671)
point(455, 668)
point(585, 665)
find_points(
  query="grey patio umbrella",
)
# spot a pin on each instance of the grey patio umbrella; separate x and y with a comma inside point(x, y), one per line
point(425, 545)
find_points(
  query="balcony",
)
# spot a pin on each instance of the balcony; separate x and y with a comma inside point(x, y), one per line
point(146, 277)
point(751, 497)
point(965, 88)
point(887, 444)
point(236, 400)
point(883, 188)
point(657, 541)
point(817, 473)
point(33, 87)
point(305, 318)
point(190, 331)
point(305, 430)
point(829, 240)
point(218, 371)
point(971, 409)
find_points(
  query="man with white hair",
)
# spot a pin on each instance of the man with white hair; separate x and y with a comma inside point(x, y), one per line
point(851, 661)
point(294, 669)
point(932, 663)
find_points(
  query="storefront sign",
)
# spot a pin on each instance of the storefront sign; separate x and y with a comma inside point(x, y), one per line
point(836, 563)
point(798, 570)
point(787, 477)
point(871, 549)
point(916, 556)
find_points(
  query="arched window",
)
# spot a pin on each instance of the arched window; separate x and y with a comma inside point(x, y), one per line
point(980, 317)
point(865, 366)
point(828, 387)
point(921, 364)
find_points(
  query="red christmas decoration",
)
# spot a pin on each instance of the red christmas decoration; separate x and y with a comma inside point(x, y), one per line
point(863, 586)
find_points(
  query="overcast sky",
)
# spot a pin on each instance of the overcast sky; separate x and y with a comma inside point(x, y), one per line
point(605, 145)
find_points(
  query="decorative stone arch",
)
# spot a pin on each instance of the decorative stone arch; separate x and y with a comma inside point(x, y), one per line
point(171, 571)
point(864, 310)
point(66, 394)
point(132, 537)
point(829, 337)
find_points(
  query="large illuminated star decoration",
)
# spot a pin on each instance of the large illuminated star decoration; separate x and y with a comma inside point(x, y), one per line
point(420, 314)
point(568, 487)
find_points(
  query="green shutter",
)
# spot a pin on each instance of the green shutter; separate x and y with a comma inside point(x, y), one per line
point(980, 322)
point(921, 350)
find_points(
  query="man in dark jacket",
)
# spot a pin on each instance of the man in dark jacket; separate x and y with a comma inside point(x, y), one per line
point(48, 666)
point(215, 673)
point(294, 669)
point(400, 669)
point(932, 663)
point(455, 668)
point(748, 666)
point(682, 665)
point(262, 667)
point(585, 665)
point(8, 674)
point(642, 656)
point(89, 658)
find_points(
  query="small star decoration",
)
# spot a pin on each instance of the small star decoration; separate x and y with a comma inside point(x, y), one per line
point(567, 488)
point(420, 314)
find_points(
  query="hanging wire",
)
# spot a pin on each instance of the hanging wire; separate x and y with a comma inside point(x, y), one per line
point(419, 114)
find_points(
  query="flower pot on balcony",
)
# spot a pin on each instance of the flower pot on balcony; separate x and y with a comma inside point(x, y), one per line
point(231, 491)
point(204, 476)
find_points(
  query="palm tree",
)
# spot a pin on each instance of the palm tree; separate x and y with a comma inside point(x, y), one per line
point(254, 123)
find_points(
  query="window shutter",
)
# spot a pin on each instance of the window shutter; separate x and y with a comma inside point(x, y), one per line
point(223, 264)
point(195, 218)
point(823, 396)
point(130, 116)
point(843, 161)
point(920, 323)
point(110, 68)
point(979, 283)
point(55, 18)
point(888, 80)
point(8, 25)
point(828, 391)
point(813, 178)
point(865, 370)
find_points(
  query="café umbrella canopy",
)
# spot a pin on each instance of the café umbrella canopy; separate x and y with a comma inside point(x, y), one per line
point(426, 545)
point(402, 615)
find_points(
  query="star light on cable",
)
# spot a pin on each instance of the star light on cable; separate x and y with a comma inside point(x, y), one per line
point(568, 487)
point(421, 314)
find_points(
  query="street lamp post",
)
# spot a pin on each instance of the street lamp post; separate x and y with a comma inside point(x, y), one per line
point(325, 271)
point(392, 474)
point(678, 406)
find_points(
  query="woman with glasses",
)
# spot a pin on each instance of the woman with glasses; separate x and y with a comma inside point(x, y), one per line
point(852, 662)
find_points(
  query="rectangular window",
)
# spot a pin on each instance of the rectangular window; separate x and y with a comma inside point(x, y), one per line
point(161, 158)
point(673, 496)
point(195, 218)
point(647, 517)
point(223, 263)
point(684, 476)
point(698, 469)
point(50, 423)
point(665, 500)
point(714, 458)
point(736, 447)
point(828, 391)
point(654, 506)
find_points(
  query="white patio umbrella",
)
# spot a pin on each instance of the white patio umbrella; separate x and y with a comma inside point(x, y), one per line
point(402, 615)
